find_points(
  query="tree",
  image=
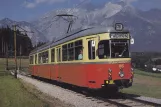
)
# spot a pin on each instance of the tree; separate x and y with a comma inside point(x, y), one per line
point(7, 42)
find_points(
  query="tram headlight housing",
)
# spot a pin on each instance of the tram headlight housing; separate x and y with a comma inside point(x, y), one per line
point(109, 70)
point(121, 74)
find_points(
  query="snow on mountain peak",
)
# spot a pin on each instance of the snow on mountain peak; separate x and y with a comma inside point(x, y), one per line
point(111, 9)
point(106, 16)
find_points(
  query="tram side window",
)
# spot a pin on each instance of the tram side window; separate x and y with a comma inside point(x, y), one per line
point(31, 59)
point(70, 51)
point(45, 57)
point(58, 55)
point(91, 49)
point(103, 49)
point(78, 50)
point(36, 59)
point(53, 55)
point(40, 58)
point(64, 53)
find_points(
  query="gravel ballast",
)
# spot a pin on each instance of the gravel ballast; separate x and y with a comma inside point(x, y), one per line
point(64, 95)
point(76, 99)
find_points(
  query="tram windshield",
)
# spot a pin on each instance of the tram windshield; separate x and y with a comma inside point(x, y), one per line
point(119, 48)
point(115, 48)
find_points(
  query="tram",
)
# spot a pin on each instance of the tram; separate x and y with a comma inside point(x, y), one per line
point(89, 57)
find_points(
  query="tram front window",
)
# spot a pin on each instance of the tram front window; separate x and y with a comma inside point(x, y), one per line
point(119, 48)
point(103, 49)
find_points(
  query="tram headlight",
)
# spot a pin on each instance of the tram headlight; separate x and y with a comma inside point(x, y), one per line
point(145, 65)
point(121, 73)
point(109, 70)
point(154, 69)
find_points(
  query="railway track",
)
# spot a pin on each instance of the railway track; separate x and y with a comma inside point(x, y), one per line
point(121, 100)
point(118, 100)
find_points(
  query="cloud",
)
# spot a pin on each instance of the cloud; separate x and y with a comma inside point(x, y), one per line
point(37, 2)
point(129, 1)
point(30, 5)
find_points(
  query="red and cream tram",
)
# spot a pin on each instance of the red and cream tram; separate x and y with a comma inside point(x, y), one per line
point(93, 57)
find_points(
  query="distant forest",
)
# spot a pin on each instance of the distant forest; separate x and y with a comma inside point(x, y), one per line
point(24, 44)
point(140, 58)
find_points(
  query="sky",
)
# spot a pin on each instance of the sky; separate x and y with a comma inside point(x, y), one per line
point(27, 10)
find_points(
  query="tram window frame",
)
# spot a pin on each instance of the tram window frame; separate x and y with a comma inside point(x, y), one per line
point(58, 54)
point(78, 46)
point(91, 50)
point(106, 53)
point(65, 52)
point(31, 59)
point(35, 58)
point(40, 58)
point(119, 46)
point(45, 57)
point(71, 51)
point(53, 55)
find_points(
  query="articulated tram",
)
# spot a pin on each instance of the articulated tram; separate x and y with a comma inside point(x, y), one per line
point(91, 57)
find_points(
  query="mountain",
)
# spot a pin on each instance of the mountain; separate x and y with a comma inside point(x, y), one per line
point(26, 26)
point(53, 26)
point(143, 25)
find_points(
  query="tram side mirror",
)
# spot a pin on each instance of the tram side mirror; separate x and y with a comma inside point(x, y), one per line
point(132, 41)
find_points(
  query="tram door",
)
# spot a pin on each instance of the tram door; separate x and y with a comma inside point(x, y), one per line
point(58, 50)
point(91, 56)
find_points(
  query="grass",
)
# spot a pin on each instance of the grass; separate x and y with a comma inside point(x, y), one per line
point(13, 94)
point(2, 64)
point(12, 91)
point(143, 73)
point(11, 64)
point(145, 84)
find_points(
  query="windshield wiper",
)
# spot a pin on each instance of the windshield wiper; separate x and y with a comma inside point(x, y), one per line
point(122, 52)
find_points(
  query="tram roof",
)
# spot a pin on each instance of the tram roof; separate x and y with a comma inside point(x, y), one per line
point(77, 33)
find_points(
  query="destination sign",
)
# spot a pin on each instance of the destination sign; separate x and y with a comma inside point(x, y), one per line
point(119, 36)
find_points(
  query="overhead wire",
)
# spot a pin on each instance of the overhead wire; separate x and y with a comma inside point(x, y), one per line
point(68, 12)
